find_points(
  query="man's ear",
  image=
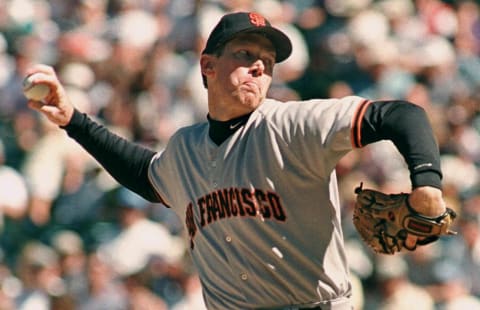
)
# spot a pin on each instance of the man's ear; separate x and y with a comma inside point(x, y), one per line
point(207, 64)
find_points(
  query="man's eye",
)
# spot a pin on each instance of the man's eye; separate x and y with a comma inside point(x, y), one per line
point(243, 54)
point(268, 62)
point(247, 56)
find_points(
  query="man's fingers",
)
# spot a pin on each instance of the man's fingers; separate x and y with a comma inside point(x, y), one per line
point(40, 106)
point(43, 74)
point(40, 68)
point(411, 242)
point(56, 105)
point(44, 78)
point(36, 105)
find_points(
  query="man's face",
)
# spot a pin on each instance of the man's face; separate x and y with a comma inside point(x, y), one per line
point(243, 72)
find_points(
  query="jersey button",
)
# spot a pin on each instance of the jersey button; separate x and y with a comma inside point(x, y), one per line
point(243, 276)
point(228, 238)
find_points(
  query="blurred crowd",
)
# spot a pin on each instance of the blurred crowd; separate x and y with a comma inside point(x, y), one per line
point(72, 238)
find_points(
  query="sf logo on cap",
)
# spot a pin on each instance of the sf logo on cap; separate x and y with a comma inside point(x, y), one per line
point(257, 19)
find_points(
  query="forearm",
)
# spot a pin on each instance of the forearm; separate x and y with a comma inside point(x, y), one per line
point(408, 127)
point(127, 162)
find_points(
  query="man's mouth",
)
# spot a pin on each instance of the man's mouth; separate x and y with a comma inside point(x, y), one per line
point(252, 85)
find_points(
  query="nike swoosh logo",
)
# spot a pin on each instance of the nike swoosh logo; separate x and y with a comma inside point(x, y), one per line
point(233, 126)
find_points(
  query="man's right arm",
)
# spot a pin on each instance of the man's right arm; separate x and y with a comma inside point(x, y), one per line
point(125, 161)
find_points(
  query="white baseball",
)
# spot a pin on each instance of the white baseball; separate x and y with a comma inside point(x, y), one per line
point(34, 92)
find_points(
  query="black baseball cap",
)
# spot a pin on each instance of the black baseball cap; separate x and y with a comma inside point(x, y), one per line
point(233, 24)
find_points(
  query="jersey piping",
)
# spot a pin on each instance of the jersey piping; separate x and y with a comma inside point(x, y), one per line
point(356, 133)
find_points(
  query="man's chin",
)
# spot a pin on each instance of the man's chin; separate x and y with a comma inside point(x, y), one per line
point(249, 97)
point(252, 98)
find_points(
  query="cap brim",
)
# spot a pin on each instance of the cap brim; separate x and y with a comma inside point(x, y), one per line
point(280, 41)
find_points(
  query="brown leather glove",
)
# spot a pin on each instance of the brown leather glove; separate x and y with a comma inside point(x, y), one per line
point(384, 221)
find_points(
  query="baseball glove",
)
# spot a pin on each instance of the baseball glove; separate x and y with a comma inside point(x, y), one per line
point(384, 221)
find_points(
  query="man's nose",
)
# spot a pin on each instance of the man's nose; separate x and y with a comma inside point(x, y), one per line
point(257, 68)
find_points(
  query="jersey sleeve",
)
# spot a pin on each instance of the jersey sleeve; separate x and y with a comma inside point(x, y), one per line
point(317, 132)
point(408, 127)
point(357, 121)
point(125, 161)
point(170, 172)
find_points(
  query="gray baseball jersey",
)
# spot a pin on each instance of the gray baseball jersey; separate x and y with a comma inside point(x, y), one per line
point(262, 209)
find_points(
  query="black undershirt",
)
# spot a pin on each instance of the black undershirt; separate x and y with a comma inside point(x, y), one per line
point(401, 122)
point(220, 131)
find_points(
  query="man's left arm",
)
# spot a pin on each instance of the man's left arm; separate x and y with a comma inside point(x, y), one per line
point(408, 127)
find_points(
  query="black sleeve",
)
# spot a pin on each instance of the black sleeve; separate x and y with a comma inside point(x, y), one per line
point(408, 127)
point(126, 161)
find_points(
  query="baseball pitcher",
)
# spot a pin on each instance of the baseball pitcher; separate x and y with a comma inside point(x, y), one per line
point(255, 183)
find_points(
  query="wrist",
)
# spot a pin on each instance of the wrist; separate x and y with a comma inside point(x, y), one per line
point(427, 201)
point(427, 178)
point(75, 119)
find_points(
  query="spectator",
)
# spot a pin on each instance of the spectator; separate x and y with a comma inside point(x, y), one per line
point(14, 193)
point(465, 253)
point(452, 291)
point(139, 239)
point(192, 299)
point(38, 269)
point(106, 291)
point(140, 294)
point(73, 264)
point(396, 291)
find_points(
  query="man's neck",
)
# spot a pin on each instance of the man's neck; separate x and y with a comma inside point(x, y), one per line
point(220, 131)
point(225, 114)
